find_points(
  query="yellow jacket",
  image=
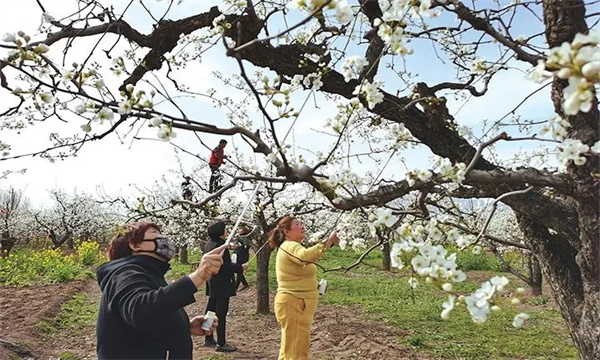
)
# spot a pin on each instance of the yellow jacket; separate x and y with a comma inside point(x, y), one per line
point(294, 276)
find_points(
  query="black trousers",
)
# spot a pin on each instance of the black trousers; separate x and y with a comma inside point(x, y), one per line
point(240, 278)
point(220, 305)
point(214, 183)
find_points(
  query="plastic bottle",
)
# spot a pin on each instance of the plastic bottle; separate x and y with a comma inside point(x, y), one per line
point(210, 319)
point(322, 286)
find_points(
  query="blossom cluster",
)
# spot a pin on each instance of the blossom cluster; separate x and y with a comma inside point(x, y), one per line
point(353, 67)
point(557, 127)
point(446, 171)
point(579, 63)
point(370, 91)
point(347, 114)
point(343, 12)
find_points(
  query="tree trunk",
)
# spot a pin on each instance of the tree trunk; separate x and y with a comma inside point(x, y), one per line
point(262, 280)
point(58, 243)
point(183, 254)
point(387, 260)
point(6, 245)
point(535, 274)
point(576, 284)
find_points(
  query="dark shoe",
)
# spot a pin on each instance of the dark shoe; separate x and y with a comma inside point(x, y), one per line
point(210, 342)
point(226, 348)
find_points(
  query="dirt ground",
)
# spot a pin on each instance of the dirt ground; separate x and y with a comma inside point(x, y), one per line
point(22, 308)
point(338, 333)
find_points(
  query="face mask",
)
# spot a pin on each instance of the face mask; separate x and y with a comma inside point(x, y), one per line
point(163, 247)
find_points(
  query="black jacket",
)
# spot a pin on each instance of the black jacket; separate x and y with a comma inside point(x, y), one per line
point(222, 284)
point(141, 317)
point(242, 252)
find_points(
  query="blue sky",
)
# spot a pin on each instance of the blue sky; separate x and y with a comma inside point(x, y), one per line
point(114, 164)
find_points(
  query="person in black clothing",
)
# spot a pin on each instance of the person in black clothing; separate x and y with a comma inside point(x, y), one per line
point(186, 189)
point(140, 316)
point(242, 255)
point(221, 286)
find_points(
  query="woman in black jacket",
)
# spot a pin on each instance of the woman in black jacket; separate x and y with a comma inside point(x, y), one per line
point(242, 256)
point(221, 286)
point(141, 317)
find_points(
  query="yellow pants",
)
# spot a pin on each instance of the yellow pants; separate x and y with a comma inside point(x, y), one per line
point(295, 316)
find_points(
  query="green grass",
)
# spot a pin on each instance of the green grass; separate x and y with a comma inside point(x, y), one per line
point(178, 269)
point(75, 316)
point(387, 297)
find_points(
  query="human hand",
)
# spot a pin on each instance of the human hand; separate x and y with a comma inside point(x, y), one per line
point(333, 239)
point(245, 266)
point(210, 263)
point(196, 326)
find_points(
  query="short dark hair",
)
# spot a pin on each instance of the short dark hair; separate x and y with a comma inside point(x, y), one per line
point(128, 234)
point(223, 141)
point(216, 228)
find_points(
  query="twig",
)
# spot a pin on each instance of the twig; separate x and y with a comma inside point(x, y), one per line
point(494, 207)
point(304, 21)
point(501, 136)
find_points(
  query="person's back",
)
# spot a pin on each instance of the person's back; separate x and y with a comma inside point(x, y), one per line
point(150, 330)
point(242, 252)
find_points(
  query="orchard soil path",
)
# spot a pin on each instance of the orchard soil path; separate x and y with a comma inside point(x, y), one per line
point(338, 333)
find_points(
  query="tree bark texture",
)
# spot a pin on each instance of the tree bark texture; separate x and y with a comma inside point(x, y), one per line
point(262, 280)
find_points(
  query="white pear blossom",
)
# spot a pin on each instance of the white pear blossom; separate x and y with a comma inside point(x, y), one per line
point(413, 283)
point(67, 75)
point(519, 320)
point(47, 97)
point(395, 253)
point(464, 241)
point(297, 80)
point(476, 250)
point(166, 132)
point(47, 17)
point(359, 244)
point(539, 72)
point(448, 305)
point(272, 158)
point(41, 49)
point(86, 128)
point(353, 67)
point(596, 148)
point(9, 37)
point(370, 91)
point(479, 66)
point(125, 108)
point(104, 114)
point(156, 121)
point(447, 287)
point(572, 150)
point(424, 175)
point(80, 108)
point(578, 96)
point(343, 12)
point(385, 217)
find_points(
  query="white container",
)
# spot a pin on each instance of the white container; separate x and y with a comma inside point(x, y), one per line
point(322, 286)
point(210, 319)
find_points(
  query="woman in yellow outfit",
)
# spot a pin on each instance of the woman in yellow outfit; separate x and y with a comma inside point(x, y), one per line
point(297, 294)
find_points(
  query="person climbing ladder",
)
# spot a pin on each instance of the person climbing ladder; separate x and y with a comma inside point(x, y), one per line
point(217, 158)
